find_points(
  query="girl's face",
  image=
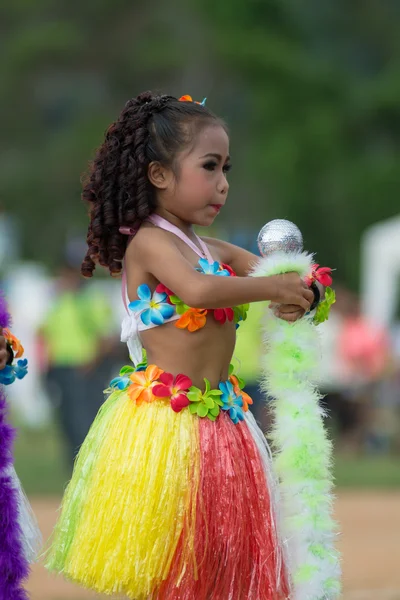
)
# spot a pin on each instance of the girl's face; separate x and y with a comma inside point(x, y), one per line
point(199, 190)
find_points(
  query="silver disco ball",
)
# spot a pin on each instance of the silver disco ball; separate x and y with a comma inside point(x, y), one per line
point(279, 236)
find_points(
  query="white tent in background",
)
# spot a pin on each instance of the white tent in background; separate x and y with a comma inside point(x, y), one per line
point(380, 271)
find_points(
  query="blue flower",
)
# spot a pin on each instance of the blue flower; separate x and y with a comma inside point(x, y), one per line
point(212, 268)
point(21, 368)
point(153, 309)
point(231, 402)
point(12, 372)
point(120, 383)
point(7, 375)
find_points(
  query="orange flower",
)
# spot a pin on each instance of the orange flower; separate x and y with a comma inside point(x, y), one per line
point(188, 98)
point(14, 342)
point(193, 319)
point(143, 383)
point(236, 388)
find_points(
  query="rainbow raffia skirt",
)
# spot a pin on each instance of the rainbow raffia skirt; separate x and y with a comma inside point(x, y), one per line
point(172, 496)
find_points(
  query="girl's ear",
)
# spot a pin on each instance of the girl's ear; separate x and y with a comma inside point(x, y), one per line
point(158, 175)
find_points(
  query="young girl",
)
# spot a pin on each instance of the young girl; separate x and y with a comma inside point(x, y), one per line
point(172, 495)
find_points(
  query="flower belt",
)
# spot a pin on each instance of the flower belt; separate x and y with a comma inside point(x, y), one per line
point(148, 383)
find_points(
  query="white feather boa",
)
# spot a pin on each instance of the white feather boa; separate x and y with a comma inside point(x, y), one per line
point(302, 450)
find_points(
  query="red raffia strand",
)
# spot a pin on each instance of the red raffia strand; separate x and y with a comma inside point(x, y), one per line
point(237, 554)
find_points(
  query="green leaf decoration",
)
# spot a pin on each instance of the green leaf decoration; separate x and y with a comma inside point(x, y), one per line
point(214, 412)
point(181, 307)
point(193, 408)
point(240, 312)
point(209, 402)
point(194, 394)
point(141, 366)
point(126, 370)
point(205, 404)
point(323, 309)
point(202, 410)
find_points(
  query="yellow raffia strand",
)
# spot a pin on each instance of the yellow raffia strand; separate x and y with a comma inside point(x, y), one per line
point(138, 498)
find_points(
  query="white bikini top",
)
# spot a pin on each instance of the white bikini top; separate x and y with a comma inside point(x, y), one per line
point(152, 310)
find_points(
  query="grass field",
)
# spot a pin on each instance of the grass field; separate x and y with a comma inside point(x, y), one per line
point(42, 470)
point(367, 509)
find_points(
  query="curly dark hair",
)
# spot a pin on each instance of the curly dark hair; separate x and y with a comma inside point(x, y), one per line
point(117, 189)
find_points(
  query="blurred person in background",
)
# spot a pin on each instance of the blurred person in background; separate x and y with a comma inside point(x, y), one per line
point(358, 359)
point(247, 355)
point(77, 347)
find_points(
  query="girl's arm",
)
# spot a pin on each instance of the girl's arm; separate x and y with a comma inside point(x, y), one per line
point(160, 257)
point(242, 263)
point(239, 259)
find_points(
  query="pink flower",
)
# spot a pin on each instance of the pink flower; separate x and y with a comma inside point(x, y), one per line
point(320, 274)
point(223, 314)
point(175, 390)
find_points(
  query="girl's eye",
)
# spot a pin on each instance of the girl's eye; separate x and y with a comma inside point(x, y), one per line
point(210, 166)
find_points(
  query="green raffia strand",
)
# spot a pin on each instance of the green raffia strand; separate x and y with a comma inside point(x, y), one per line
point(79, 485)
point(205, 404)
point(323, 309)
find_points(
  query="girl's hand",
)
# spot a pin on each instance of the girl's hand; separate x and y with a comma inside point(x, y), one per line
point(287, 312)
point(290, 289)
point(3, 350)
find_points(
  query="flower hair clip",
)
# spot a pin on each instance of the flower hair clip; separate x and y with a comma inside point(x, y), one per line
point(188, 98)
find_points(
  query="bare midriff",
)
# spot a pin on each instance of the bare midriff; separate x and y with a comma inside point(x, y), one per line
point(205, 353)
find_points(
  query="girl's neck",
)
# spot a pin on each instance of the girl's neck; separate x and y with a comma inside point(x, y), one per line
point(187, 228)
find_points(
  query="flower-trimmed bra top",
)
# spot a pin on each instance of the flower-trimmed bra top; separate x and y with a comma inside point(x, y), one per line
point(162, 306)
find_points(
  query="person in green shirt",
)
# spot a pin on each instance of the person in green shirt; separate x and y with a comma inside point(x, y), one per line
point(247, 358)
point(76, 339)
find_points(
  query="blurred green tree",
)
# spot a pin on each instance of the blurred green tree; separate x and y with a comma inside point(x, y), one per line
point(310, 90)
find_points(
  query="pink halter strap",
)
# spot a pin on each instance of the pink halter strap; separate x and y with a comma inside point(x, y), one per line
point(167, 226)
point(164, 224)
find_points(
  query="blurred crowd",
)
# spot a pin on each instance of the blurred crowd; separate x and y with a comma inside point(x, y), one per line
point(70, 328)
